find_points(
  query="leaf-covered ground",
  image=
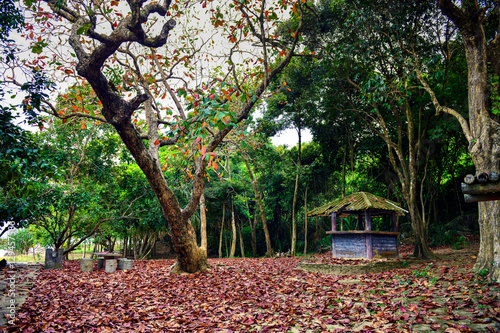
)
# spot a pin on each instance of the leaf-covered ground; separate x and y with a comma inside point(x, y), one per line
point(263, 295)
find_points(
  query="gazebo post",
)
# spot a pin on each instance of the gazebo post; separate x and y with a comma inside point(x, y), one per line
point(394, 222)
point(334, 228)
point(334, 221)
point(368, 227)
point(368, 221)
point(360, 222)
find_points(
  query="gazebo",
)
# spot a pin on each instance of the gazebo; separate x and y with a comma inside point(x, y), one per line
point(363, 242)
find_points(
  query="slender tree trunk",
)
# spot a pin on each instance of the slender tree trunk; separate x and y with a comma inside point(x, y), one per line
point(147, 244)
point(134, 242)
point(254, 235)
point(203, 218)
point(125, 242)
point(294, 215)
point(68, 245)
point(295, 198)
point(112, 245)
point(258, 198)
point(233, 233)
point(242, 244)
point(252, 228)
point(227, 248)
point(305, 220)
point(222, 229)
point(421, 245)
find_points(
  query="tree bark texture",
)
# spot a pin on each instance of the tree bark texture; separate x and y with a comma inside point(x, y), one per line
point(253, 226)
point(483, 129)
point(254, 234)
point(242, 244)
point(203, 223)
point(233, 233)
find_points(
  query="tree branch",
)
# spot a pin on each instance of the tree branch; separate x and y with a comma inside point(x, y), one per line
point(444, 109)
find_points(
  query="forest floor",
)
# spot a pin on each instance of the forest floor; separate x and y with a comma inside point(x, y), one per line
point(264, 295)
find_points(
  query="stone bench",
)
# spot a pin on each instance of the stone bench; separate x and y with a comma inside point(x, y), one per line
point(109, 265)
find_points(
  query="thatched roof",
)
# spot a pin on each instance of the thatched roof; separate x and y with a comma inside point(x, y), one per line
point(356, 202)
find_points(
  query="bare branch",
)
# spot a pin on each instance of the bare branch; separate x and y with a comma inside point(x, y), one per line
point(444, 109)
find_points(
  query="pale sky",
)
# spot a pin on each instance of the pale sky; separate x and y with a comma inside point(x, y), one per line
point(290, 138)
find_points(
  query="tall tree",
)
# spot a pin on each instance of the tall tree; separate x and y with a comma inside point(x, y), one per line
point(290, 109)
point(258, 197)
point(366, 62)
point(478, 23)
point(132, 28)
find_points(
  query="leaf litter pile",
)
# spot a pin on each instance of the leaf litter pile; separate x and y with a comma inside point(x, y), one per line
point(263, 295)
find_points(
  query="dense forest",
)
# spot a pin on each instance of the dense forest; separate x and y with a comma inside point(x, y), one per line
point(155, 151)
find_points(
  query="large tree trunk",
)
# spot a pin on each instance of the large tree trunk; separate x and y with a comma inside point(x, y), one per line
point(258, 198)
point(485, 154)
point(190, 257)
point(483, 130)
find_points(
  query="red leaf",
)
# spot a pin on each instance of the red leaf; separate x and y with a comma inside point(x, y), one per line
point(157, 142)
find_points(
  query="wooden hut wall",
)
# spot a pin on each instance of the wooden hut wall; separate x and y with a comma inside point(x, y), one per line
point(364, 244)
point(385, 245)
point(349, 245)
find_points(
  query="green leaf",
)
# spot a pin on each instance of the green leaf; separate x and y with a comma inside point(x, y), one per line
point(83, 29)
